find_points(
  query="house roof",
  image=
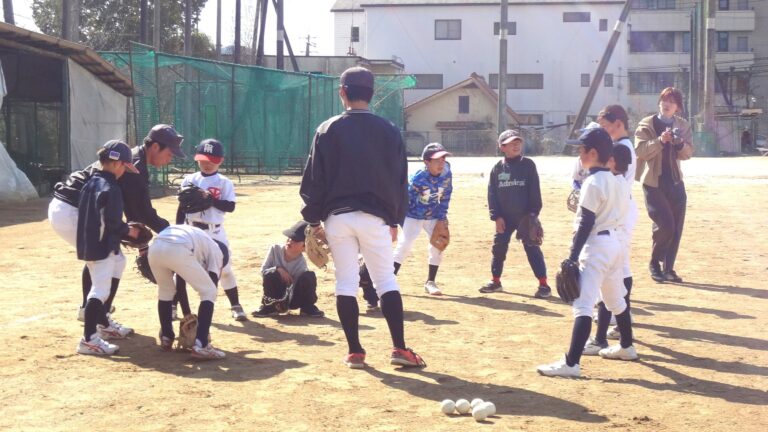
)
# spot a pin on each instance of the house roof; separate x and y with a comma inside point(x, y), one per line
point(474, 79)
point(19, 38)
point(359, 5)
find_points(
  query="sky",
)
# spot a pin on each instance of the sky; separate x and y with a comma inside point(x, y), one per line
point(301, 17)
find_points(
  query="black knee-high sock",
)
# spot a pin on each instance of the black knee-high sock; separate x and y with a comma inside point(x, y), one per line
point(581, 328)
point(432, 272)
point(624, 321)
point(628, 286)
point(392, 309)
point(181, 296)
point(94, 310)
point(603, 322)
point(112, 293)
point(204, 319)
point(166, 320)
point(86, 281)
point(397, 267)
point(232, 295)
point(349, 313)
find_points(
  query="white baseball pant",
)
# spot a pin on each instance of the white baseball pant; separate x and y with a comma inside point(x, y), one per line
point(601, 277)
point(227, 280)
point(63, 219)
point(411, 229)
point(350, 234)
point(102, 272)
point(166, 258)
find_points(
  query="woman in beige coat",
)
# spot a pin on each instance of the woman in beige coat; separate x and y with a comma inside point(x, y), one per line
point(661, 142)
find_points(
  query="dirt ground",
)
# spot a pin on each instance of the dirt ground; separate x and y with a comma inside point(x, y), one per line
point(703, 343)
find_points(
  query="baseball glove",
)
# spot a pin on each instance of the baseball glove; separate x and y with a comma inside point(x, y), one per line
point(530, 231)
point(441, 235)
point(187, 333)
point(142, 240)
point(192, 199)
point(142, 266)
point(316, 247)
point(573, 200)
point(278, 297)
point(568, 287)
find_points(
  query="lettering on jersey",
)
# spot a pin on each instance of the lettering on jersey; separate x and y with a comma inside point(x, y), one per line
point(215, 192)
point(426, 195)
point(506, 181)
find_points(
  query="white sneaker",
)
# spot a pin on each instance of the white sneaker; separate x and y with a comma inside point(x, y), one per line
point(591, 348)
point(96, 346)
point(613, 318)
point(113, 331)
point(206, 353)
point(614, 333)
point(238, 313)
point(616, 352)
point(431, 288)
point(559, 368)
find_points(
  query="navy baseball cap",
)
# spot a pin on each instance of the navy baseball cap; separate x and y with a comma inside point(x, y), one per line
point(358, 77)
point(597, 139)
point(117, 150)
point(166, 135)
point(434, 151)
point(296, 232)
point(210, 150)
point(510, 135)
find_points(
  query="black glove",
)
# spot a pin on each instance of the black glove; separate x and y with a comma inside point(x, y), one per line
point(192, 199)
point(568, 287)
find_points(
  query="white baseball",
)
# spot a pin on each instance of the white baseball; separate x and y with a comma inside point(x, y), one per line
point(490, 408)
point(479, 413)
point(462, 406)
point(475, 402)
point(447, 406)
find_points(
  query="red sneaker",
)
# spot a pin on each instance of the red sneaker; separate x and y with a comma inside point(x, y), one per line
point(355, 360)
point(406, 358)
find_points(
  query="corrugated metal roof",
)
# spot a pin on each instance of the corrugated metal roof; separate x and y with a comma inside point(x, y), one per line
point(17, 37)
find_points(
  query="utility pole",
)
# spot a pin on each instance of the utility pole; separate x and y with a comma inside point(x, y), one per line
point(598, 78)
point(143, 21)
point(262, 25)
point(8, 11)
point(309, 44)
point(502, 114)
point(156, 26)
point(255, 37)
point(280, 34)
point(708, 112)
point(237, 32)
point(187, 28)
point(694, 77)
point(70, 28)
point(218, 29)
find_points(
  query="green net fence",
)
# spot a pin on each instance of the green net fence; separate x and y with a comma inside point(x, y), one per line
point(264, 117)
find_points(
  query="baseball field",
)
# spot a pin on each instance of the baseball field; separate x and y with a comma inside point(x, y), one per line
point(703, 343)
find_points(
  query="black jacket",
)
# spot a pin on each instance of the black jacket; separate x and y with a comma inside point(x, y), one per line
point(100, 223)
point(135, 187)
point(513, 189)
point(357, 162)
point(69, 190)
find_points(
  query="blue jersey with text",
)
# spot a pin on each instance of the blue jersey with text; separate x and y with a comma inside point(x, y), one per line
point(428, 195)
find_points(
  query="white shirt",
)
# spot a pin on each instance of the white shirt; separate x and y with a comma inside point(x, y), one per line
point(204, 250)
point(602, 194)
point(630, 174)
point(579, 173)
point(217, 185)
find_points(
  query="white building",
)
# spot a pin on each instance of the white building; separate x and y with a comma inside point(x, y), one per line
point(554, 48)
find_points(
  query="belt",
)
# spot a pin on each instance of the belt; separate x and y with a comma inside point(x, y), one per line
point(205, 226)
point(604, 232)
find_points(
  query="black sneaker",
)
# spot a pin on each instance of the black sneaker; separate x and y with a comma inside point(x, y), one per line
point(671, 276)
point(491, 287)
point(265, 311)
point(543, 292)
point(656, 273)
point(312, 311)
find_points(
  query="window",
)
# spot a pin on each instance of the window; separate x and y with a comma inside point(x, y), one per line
point(585, 80)
point(653, 82)
point(511, 28)
point(577, 17)
point(640, 41)
point(742, 44)
point(518, 81)
point(463, 104)
point(608, 80)
point(653, 4)
point(447, 29)
point(735, 83)
point(355, 34)
point(603, 25)
point(723, 4)
point(429, 81)
point(742, 5)
point(722, 41)
point(686, 42)
point(530, 119)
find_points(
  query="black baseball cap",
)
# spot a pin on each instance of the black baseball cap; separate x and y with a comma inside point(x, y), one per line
point(166, 135)
point(510, 135)
point(210, 150)
point(357, 77)
point(598, 139)
point(296, 232)
point(434, 151)
point(117, 150)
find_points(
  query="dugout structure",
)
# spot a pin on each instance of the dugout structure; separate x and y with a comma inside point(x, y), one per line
point(265, 118)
